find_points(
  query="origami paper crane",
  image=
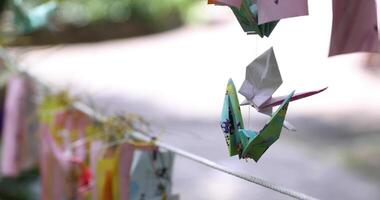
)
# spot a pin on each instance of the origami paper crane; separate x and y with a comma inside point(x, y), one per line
point(273, 10)
point(354, 27)
point(261, 16)
point(262, 79)
point(243, 142)
point(247, 15)
point(27, 21)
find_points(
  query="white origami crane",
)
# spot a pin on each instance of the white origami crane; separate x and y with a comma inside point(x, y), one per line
point(262, 79)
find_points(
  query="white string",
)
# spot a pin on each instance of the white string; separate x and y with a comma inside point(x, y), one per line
point(249, 116)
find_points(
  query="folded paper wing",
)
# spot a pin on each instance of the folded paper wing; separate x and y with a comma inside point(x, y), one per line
point(267, 107)
point(269, 134)
point(231, 118)
point(275, 101)
point(262, 79)
point(273, 10)
point(354, 27)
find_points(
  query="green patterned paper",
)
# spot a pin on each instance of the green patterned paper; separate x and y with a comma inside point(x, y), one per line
point(231, 119)
point(247, 16)
point(269, 134)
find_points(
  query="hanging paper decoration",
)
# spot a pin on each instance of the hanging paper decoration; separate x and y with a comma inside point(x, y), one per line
point(65, 171)
point(354, 27)
point(133, 172)
point(261, 16)
point(19, 143)
point(4, 76)
point(243, 142)
point(112, 169)
point(107, 186)
point(262, 79)
point(57, 172)
point(246, 13)
point(2, 106)
point(151, 174)
point(273, 10)
point(96, 147)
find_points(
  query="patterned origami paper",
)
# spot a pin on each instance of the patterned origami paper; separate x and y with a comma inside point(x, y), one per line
point(96, 147)
point(113, 172)
point(273, 10)
point(133, 172)
point(243, 142)
point(19, 144)
point(58, 179)
point(246, 13)
point(151, 174)
point(354, 27)
point(107, 176)
point(262, 79)
point(65, 173)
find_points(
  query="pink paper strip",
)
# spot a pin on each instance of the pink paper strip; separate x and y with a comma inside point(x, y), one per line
point(95, 149)
point(14, 130)
point(273, 10)
point(354, 27)
point(234, 3)
point(52, 177)
point(275, 101)
point(125, 164)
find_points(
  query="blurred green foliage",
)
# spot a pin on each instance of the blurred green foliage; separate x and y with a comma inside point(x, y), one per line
point(83, 12)
point(66, 21)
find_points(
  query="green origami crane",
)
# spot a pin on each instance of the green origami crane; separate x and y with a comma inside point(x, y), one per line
point(27, 21)
point(243, 142)
point(248, 18)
